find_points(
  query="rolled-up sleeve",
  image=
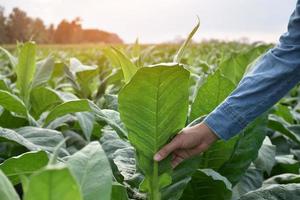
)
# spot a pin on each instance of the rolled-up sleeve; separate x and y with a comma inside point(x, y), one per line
point(273, 75)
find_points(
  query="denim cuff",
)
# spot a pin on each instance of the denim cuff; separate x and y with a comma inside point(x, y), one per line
point(225, 122)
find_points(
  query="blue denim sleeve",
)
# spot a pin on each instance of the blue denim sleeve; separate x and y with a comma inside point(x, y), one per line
point(273, 75)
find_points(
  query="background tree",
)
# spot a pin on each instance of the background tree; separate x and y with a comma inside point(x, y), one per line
point(37, 31)
point(20, 27)
point(17, 26)
point(3, 34)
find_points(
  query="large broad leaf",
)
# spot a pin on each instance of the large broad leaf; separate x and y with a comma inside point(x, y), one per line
point(251, 180)
point(128, 68)
point(12, 59)
point(52, 183)
point(82, 77)
point(207, 184)
point(279, 124)
point(4, 84)
point(92, 171)
point(111, 117)
point(86, 121)
point(266, 156)
point(245, 150)
point(26, 69)
point(67, 108)
point(44, 69)
point(212, 92)
point(153, 107)
point(75, 106)
point(235, 66)
point(24, 164)
point(285, 164)
point(33, 138)
point(10, 120)
point(232, 158)
point(181, 176)
point(119, 192)
point(275, 192)
point(7, 191)
point(12, 103)
point(120, 153)
point(285, 178)
point(43, 99)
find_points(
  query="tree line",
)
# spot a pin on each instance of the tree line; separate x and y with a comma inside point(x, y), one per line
point(19, 27)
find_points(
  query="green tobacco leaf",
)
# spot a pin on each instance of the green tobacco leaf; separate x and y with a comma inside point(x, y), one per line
point(76, 66)
point(83, 76)
point(44, 69)
point(53, 183)
point(111, 117)
point(285, 178)
point(67, 108)
point(76, 106)
point(120, 153)
point(42, 99)
point(285, 164)
point(245, 150)
point(251, 180)
point(213, 91)
point(128, 68)
point(92, 171)
point(24, 164)
point(4, 84)
point(183, 47)
point(119, 192)
point(12, 103)
point(181, 176)
point(7, 191)
point(235, 66)
point(266, 156)
point(274, 192)
point(207, 184)
point(284, 112)
point(26, 69)
point(111, 55)
point(279, 124)
point(232, 158)
point(153, 107)
point(218, 154)
point(33, 138)
point(10, 120)
point(86, 121)
point(12, 59)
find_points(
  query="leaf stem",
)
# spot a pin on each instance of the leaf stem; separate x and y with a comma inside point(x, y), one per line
point(154, 193)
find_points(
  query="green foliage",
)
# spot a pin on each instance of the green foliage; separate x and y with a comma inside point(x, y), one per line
point(51, 183)
point(23, 165)
point(146, 105)
point(208, 185)
point(92, 171)
point(7, 191)
point(25, 70)
point(57, 108)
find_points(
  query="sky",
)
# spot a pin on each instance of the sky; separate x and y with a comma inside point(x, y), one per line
point(155, 21)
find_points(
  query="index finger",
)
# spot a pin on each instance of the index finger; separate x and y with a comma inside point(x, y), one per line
point(167, 149)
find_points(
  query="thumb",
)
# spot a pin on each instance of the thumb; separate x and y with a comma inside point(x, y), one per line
point(166, 150)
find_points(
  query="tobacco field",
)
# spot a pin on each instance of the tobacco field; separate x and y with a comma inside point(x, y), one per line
point(83, 123)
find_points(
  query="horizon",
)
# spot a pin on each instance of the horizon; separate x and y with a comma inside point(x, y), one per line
point(256, 23)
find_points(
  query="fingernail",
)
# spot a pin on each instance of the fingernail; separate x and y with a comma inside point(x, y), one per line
point(157, 157)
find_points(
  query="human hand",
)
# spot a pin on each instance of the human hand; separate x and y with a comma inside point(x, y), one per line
point(189, 142)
